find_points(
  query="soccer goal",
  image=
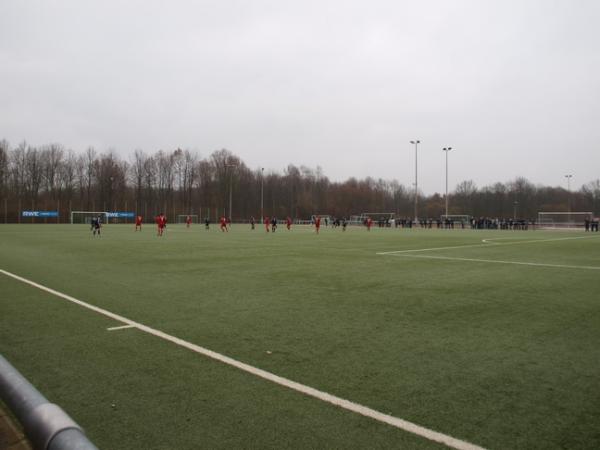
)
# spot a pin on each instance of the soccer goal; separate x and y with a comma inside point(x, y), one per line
point(181, 218)
point(325, 218)
point(558, 220)
point(456, 219)
point(383, 219)
point(87, 216)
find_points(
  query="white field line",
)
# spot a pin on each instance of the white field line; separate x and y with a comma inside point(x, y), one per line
point(307, 390)
point(519, 263)
point(122, 327)
point(486, 243)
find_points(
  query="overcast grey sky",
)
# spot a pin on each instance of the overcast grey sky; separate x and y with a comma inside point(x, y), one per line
point(512, 86)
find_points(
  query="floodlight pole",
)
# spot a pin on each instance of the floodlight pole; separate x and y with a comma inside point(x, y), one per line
point(231, 189)
point(446, 150)
point(515, 204)
point(262, 178)
point(568, 177)
point(416, 143)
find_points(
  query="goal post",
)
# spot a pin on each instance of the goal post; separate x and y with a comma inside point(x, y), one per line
point(456, 218)
point(378, 218)
point(181, 218)
point(323, 217)
point(563, 219)
point(85, 217)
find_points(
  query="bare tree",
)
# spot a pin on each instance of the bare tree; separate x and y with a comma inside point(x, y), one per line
point(4, 151)
point(591, 192)
point(33, 173)
point(90, 162)
point(137, 171)
point(51, 157)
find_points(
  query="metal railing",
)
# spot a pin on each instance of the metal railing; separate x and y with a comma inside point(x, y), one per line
point(46, 425)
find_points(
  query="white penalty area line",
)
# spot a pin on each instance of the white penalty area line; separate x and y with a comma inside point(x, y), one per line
point(307, 390)
point(486, 243)
point(495, 261)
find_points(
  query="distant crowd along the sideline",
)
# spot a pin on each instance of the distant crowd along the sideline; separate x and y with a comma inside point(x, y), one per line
point(271, 223)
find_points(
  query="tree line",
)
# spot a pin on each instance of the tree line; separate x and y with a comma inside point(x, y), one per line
point(179, 182)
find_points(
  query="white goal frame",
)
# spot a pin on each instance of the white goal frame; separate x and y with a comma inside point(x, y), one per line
point(322, 217)
point(563, 219)
point(181, 218)
point(457, 218)
point(104, 214)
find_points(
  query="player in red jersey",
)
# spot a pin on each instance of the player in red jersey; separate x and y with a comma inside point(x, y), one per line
point(369, 223)
point(188, 221)
point(223, 225)
point(288, 223)
point(267, 223)
point(161, 222)
point(138, 223)
point(317, 224)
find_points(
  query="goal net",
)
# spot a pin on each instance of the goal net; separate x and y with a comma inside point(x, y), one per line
point(458, 219)
point(378, 218)
point(181, 218)
point(563, 219)
point(87, 216)
point(325, 218)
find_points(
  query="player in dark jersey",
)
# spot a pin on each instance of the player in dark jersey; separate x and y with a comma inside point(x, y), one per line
point(207, 224)
point(273, 224)
point(96, 225)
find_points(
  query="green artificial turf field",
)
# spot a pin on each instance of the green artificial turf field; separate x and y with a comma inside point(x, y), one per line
point(457, 338)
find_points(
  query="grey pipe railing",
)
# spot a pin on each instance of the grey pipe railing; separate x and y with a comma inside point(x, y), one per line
point(46, 425)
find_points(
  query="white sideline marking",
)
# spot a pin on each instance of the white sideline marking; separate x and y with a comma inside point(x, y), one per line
point(485, 244)
point(307, 390)
point(122, 327)
point(561, 266)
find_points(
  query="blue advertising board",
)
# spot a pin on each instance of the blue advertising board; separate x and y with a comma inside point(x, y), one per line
point(39, 213)
point(121, 214)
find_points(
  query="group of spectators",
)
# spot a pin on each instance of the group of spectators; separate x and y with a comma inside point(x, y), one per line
point(475, 223)
point(591, 224)
point(488, 223)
